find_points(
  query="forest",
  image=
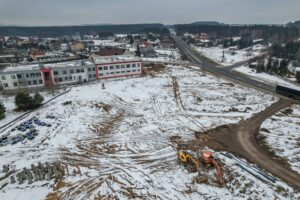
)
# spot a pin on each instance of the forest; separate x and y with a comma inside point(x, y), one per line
point(270, 33)
point(57, 31)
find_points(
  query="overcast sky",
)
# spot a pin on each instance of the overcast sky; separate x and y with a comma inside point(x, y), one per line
point(75, 12)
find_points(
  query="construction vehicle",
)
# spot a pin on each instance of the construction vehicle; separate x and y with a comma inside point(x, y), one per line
point(193, 163)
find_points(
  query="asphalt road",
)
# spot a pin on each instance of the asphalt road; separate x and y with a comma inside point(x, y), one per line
point(245, 133)
point(225, 72)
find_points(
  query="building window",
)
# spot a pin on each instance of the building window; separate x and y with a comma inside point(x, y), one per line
point(128, 71)
point(128, 66)
point(100, 68)
point(112, 72)
point(138, 70)
point(118, 67)
point(13, 77)
point(89, 69)
point(60, 79)
point(94, 69)
point(15, 84)
point(107, 73)
point(27, 75)
point(133, 70)
point(138, 64)
point(64, 72)
point(19, 76)
point(55, 72)
point(77, 71)
point(34, 82)
point(38, 74)
point(3, 78)
point(133, 65)
point(105, 68)
point(40, 82)
point(122, 72)
point(5, 85)
point(90, 76)
point(70, 78)
point(111, 67)
point(82, 70)
point(118, 72)
point(29, 82)
point(71, 71)
point(122, 66)
point(66, 78)
point(94, 75)
point(32, 74)
point(56, 80)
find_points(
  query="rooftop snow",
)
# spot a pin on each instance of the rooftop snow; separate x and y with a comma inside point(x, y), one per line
point(52, 65)
point(112, 59)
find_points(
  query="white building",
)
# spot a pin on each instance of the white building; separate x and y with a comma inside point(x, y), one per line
point(40, 76)
point(117, 66)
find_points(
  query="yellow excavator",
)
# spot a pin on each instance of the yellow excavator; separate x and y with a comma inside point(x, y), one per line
point(193, 162)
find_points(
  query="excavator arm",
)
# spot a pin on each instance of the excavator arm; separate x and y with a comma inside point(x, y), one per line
point(219, 171)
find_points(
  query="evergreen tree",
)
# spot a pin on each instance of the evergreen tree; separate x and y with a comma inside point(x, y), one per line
point(138, 52)
point(260, 66)
point(37, 99)
point(269, 65)
point(25, 102)
point(275, 66)
point(2, 111)
point(283, 68)
point(298, 77)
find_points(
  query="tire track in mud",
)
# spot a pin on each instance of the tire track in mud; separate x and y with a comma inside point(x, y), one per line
point(181, 106)
point(241, 139)
point(117, 161)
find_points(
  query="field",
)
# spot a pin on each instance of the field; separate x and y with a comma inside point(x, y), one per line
point(117, 142)
point(281, 134)
point(216, 54)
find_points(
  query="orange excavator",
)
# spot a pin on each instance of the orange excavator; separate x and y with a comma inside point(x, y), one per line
point(193, 163)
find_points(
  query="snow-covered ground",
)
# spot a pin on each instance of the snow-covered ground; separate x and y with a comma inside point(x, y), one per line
point(116, 141)
point(216, 54)
point(171, 53)
point(265, 77)
point(283, 136)
point(165, 55)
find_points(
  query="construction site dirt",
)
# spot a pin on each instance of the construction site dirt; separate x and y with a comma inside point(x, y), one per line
point(121, 141)
point(241, 139)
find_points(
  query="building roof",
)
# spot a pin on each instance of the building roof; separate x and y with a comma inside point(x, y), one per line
point(114, 59)
point(110, 51)
point(51, 66)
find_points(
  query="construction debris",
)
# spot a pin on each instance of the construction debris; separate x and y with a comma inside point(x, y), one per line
point(40, 172)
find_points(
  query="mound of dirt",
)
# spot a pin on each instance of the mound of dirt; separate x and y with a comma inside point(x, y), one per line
point(104, 106)
point(219, 138)
point(152, 70)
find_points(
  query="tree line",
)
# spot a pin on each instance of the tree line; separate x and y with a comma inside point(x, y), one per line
point(57, 31)
point(270, 33)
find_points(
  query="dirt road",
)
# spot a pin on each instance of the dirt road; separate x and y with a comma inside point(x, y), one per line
point(241, 139)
